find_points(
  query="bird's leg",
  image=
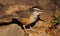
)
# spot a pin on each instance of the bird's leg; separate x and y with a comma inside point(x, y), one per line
point(25, 29)
point(31, 28)
point(26, 32)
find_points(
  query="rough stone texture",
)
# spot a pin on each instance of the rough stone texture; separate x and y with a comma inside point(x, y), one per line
point(48, 17)
point(11, 30)
point(13, 5)
point(41, 28)
point(54, 32)
point(58, 26)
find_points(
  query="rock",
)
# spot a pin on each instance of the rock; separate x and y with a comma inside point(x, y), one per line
point(49, 7)
point(43, 30)
point(11, 30)
point(58, 26)
point(57, 14)
point(54, 32)
point(46, 17)
point(42, 25)
point(11, 6)
point(37, 32)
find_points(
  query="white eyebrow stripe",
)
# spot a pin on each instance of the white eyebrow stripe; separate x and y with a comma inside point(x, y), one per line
point(37, 9)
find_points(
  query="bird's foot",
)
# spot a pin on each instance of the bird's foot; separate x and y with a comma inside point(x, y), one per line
point(32, 29)
point(25, 29)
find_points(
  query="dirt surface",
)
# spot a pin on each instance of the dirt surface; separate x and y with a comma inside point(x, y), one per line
point(30, 18)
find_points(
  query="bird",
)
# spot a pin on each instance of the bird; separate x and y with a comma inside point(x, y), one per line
point(28, 16)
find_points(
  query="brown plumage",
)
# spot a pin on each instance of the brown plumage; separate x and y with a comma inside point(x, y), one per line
point(25, 16)
point(30, 16)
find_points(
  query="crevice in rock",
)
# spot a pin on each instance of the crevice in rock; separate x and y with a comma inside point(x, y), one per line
point(14, 21)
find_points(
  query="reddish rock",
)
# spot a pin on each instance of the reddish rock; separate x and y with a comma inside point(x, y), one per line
point(11, 30)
